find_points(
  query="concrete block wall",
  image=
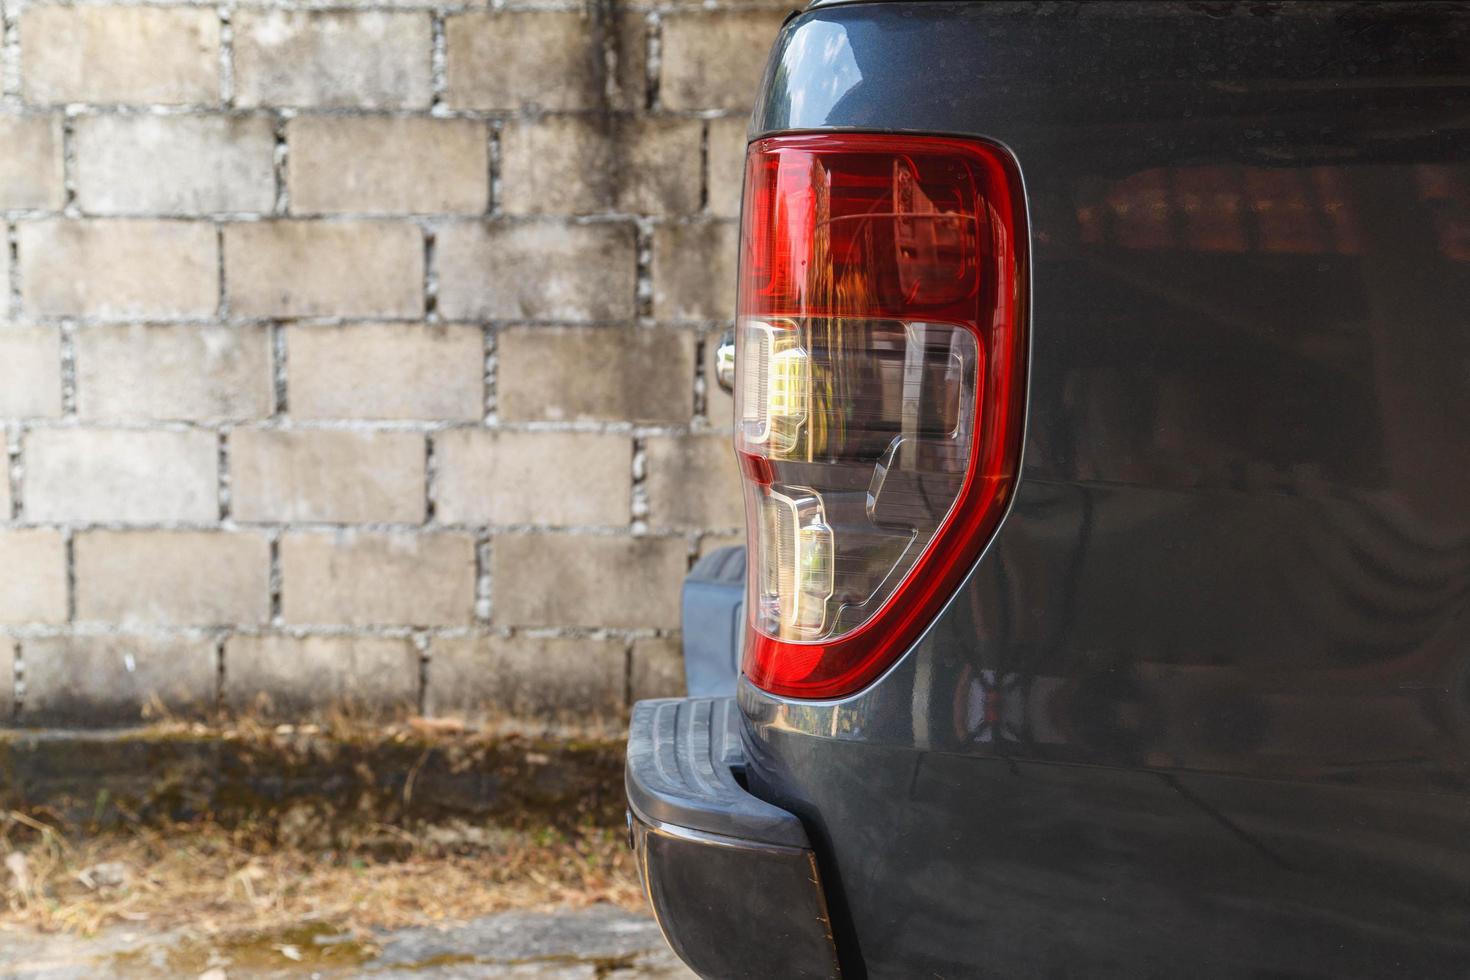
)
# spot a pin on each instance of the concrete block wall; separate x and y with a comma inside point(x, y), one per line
point(360, 355)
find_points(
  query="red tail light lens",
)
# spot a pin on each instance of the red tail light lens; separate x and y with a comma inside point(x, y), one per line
point(881, 361)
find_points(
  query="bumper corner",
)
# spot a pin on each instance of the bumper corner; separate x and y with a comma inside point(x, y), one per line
point(733, 881)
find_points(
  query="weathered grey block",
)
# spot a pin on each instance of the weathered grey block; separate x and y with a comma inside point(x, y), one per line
point(714, 59)
point(30, 166)
point(587, 580)
point(172, 578)
point(544, 270)
point(693, 481)
point(657, 670)
point(555, 680)
point(369, 58)
point(327, 475)
point(575, 374)
point(30, 371)
point(90, 681)
point(121, 475)
point(174, 164)
point(727, 146)
point(694, 270)
point(119, 54)
point(362, 578)
point(32, 576)
point(118, 267)
point(324, 268)
point(388, 164)
point(172, 371)
point(296, 677)
point(550, 60)
point(387, 371)
point(592, 164)
point(547, 478)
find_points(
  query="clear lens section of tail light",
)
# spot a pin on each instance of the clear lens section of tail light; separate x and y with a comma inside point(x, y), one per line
point(878, 405)
point(868, 427)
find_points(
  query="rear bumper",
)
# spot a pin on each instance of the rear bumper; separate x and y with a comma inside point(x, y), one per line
point(732, 880)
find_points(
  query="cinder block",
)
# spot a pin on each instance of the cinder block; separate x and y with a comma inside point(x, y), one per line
point(693, 481)
point(32, 576)
point(658, 668)
point(591, 164)
point(559, 681)
point(118, 267)
point(173, 371)
point(587, 580)
point(369, 59)
point(103, 54)
point(30, 166)
point(174, 164)
point(30, 372)
point(636, 374)
point(658, 162)
point(121, 475)
point(361, 578)
point(300, 677)
point(727, 146)
point(172, 578)
point(694, 270)
point(547, 60)
point(557, 165)
point(330, 475)
point(325, 268)
point(387, 371)
point(388, 164)
point(549, 478)
point(540, 271)
point(714, 59)
point(95, 681)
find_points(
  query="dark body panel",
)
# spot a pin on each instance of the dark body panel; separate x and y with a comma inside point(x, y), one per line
point(1204, 704)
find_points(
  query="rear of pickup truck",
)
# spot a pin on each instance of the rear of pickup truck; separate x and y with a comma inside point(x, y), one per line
point(1103, 410)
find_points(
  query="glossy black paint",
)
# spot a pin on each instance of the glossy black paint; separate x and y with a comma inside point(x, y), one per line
point(1203, 706)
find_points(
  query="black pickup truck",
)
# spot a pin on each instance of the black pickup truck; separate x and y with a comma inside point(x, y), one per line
point(1103, 410)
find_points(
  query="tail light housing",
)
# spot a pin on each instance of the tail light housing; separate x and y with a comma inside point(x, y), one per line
point(881, 360)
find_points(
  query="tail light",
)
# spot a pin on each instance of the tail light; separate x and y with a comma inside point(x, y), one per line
point(881, 358)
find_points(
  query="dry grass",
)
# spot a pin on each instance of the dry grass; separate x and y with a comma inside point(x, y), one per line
point(219, 882)
point(345, 863)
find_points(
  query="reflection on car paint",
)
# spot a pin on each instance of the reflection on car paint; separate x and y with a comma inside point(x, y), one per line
point(1206, 696)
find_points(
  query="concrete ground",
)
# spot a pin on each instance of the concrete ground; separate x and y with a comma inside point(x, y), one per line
point(588, 944)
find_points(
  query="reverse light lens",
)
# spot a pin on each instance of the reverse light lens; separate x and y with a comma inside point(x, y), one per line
point(881, 360)
point(797, 576)
point(868, 428)
point(773, 408)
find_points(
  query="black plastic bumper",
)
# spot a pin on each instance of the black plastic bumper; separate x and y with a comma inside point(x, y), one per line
point(732, 879)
